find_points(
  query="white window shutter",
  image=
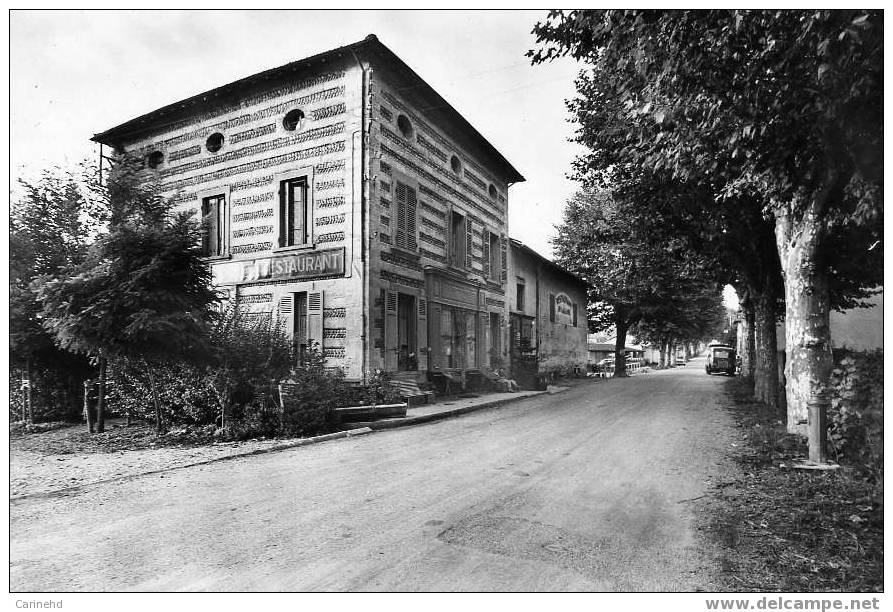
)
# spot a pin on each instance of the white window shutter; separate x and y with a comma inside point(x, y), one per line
point(286, 317)
point(314, 318)
point(390, 331)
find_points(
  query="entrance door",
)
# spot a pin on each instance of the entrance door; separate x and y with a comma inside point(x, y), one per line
point(494, 341)
point(407, 326)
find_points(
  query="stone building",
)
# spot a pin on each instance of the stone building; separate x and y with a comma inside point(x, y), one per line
point(346, 198)
point(547, 309)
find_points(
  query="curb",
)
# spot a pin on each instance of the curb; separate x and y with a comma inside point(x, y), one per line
point(436, 416)
point(258, 451)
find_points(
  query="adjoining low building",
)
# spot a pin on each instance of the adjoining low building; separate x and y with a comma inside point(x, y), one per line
point(547, 311)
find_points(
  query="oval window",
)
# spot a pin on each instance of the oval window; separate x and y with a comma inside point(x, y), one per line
point(214, 142)
point(455, 164)
point(404, 125)
point(293, 119)
point(156, 158)
point(492, 191)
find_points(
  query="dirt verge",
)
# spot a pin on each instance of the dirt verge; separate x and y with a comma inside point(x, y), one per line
point(780, 529)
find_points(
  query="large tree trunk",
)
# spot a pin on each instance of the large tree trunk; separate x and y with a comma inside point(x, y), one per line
point(662, 349)
point(155, 401)
point(747, 347)
point(100, 401)
point(88, 414)
point(765, 370)
point(29, 395)
point(808, 361)
point(621, 326)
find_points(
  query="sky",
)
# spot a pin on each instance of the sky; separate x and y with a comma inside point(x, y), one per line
point(77, 73)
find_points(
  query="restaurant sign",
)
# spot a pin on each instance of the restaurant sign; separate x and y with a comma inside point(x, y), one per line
point(299, 266)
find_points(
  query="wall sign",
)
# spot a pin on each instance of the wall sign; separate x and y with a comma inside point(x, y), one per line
point(564, 309)
point(304, 265)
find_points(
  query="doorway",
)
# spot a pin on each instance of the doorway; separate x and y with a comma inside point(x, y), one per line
point(407, 347)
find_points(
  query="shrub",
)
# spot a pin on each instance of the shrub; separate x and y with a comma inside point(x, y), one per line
point(317, 389)
point(856, 425)
point(249, 356)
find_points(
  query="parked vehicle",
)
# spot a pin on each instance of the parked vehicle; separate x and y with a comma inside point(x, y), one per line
point(721, 358)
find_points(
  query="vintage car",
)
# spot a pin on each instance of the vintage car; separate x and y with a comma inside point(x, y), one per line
point(720, 358)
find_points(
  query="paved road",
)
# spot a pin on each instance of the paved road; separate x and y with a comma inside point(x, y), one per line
point(582, 490)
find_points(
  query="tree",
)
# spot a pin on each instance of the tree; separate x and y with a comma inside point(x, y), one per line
point(615, 242)
point(52, 222)
point(784, 104)
point(143, 290)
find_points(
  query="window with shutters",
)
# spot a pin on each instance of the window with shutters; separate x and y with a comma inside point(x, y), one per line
point(495, 257)
point(214, 236)
point(294, 218)
point(406, 204)
point(293, 212)
point(457, 239)
point(301, 338)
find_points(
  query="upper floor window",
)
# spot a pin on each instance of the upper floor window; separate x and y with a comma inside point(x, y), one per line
point(405, 126)
point(492, 191)
point(495, 258)
point(155, 159)
point(214, 142)
point(214, 215)
point(457, 239)
point(293, 119)
point(406, 203)
point(519, 297)
point(293, 213)
point(455, 164)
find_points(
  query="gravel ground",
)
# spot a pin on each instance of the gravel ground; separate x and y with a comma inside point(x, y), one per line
point(597, 488)
point(51, 461)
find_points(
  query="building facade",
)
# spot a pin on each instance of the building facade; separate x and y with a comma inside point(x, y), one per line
point(345, 198)
point(547, 308)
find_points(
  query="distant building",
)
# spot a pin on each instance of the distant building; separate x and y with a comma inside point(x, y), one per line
point(547, 310)
point(344, 197)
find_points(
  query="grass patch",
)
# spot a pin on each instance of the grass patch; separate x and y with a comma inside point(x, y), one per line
point(793, 530)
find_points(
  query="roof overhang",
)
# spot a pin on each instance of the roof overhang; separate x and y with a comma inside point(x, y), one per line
point(370, 48)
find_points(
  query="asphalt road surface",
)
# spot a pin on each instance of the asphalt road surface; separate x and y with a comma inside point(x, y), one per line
point(595, 488)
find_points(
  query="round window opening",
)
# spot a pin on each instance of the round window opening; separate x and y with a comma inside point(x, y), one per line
point(155, 159)
point(455, 164)
point(293, 119)
point(404, 126)
point(492, 191)
point(214, 142)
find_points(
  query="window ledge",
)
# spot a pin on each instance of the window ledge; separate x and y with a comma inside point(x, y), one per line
point(308, 246)
point(213, 258)
point(406, 252)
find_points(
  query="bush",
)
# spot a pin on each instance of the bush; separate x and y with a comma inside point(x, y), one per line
point(317, 389)
point(238, 383)
point(856, 418)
